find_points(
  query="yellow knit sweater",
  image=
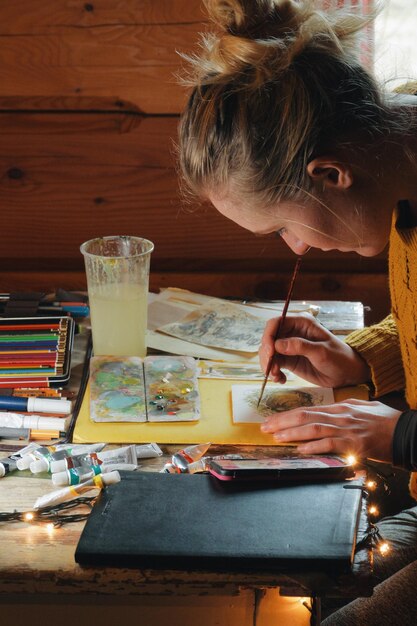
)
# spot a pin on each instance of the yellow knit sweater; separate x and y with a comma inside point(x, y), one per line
point(390, 348)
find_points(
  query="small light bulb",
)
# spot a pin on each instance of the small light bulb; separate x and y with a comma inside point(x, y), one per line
point(371, 484)
point(351, 459)
point(384, 548)
point(28, 517)
point(373, 510)
point(50, 527)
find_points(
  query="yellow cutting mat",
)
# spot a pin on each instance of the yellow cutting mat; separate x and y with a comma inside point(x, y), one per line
point(215, 424)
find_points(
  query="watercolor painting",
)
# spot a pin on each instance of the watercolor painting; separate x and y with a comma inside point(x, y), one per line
point(171, 389)
point(117, 391)
point(234, 370)
point(219, 325)
point(275, 399)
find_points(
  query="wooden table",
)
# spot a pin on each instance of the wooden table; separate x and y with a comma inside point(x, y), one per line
point(37, 567)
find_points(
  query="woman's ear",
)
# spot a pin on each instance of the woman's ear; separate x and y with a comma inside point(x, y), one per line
point(330, 173)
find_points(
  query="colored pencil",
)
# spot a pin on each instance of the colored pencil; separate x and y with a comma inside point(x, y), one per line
point(13, 383)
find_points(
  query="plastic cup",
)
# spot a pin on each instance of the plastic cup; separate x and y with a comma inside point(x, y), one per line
point(117, 270)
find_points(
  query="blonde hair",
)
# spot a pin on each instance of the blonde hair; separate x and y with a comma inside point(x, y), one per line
point(278, 84)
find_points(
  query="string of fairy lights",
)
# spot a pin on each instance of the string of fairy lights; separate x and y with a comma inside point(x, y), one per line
point(53, 516)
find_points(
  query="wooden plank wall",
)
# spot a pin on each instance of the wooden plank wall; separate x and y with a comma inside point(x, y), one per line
point(89, 107)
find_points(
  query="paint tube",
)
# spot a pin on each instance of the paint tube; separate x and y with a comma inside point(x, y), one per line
point(127, 454)
point(44, 457)
point(67, 493)
point(199, 466)
point(148, 451)
point(29, 454)
point(75, 476)
point(182, 458)
point(9, 463)
point(169, 468)
point(38, 459)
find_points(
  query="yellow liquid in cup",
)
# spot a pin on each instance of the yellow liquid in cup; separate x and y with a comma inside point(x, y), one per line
point(118, 320)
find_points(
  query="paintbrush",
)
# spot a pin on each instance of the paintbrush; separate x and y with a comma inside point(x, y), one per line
point(280, 324)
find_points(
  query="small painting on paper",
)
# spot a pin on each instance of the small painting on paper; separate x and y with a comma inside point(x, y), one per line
point(234, 370)
point(219, 325)
point(275, 399)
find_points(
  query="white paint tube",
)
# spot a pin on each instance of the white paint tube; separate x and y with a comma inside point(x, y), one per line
point(44, 456)
point(67, 493)
point(148, 451)
point(9, 463)
point(74, 476)
point(126, 454)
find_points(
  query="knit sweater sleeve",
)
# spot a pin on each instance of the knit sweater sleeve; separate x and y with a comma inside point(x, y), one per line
point(379, 346)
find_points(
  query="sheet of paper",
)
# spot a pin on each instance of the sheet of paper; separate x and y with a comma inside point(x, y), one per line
point(219, 325)
point(239, 370)
point(275, 398)
point(338, 316)
point(162, 312)
point(173, 345)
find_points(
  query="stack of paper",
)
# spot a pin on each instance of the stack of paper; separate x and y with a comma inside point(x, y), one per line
point(192, 324)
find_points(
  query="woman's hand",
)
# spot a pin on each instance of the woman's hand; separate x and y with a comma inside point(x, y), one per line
point(357, 427)
point(312, 352)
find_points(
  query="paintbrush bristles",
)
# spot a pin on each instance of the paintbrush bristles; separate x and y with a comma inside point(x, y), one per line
point(280, 323)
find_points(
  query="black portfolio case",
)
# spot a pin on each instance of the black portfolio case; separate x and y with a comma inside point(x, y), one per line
point(153, 520)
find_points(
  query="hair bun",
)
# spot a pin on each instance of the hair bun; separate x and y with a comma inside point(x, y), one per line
point(256, 19)
point(259, 39)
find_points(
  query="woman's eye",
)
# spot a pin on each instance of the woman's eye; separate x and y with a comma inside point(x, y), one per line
point(280, 232)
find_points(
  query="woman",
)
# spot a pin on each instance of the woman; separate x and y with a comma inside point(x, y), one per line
point(286, 132)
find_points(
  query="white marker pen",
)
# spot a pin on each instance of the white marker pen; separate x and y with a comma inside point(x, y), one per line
point(38, 422)
point(31, 404)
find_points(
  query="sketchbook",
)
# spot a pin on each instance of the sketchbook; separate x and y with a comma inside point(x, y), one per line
point(219, 525)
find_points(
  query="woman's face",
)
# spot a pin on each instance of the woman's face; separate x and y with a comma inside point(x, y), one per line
point(314, 224)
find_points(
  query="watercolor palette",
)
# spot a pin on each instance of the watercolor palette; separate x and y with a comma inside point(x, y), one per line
point(154, 389)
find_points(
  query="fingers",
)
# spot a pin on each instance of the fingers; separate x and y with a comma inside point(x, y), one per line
point(266, 349)
point(316, 430)
point(329, 445)
point(304, 325)
point(305, 424)
point(320, 430)
point(292, 421)
point(267, 352)
point(318, 437)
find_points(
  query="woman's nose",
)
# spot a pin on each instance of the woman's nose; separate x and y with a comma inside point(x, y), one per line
point(296, 245)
